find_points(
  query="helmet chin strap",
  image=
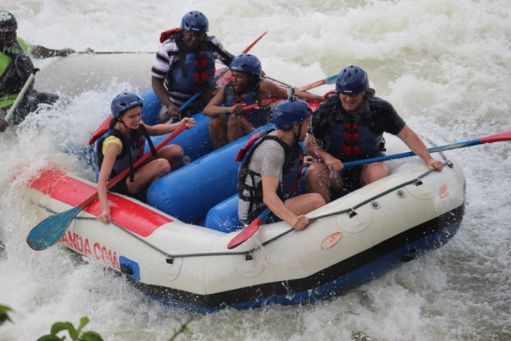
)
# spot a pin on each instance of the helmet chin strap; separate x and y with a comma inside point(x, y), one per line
point(121, 121)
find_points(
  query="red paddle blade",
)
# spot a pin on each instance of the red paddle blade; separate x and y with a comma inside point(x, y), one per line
point(245, 234)
point(506, 136)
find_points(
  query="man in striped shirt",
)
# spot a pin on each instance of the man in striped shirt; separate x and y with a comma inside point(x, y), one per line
point(184, 65)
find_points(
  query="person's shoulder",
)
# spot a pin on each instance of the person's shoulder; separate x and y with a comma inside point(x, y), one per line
point(378, 101)
point(27, 47)
point(271, 142)
point(327, 106)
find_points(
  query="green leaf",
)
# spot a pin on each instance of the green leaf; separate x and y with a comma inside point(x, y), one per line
point(60, 326)
point(49, 338)
point(91, 336)
point(83, 323)
point(3, 314)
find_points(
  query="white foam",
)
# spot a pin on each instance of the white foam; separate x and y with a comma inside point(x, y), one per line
point(444, 64)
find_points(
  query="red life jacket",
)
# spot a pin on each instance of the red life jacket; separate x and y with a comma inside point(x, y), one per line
point(165, 35)
point(101, 130)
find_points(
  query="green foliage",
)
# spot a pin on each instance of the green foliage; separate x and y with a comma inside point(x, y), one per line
point(3, 314)
point(75, 334)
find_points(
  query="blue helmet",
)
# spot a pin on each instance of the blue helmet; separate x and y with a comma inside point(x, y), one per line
point(123, 102)
point(8, 22)
point(352, 80)
point(290, 111)
point(195, 21)
point(246, 63)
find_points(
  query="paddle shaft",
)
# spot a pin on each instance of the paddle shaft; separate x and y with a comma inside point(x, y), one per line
point(218, 76)
point(114, 52)
point(20, 95)
point(316, 84)
point(125, 172)
point(506, 136)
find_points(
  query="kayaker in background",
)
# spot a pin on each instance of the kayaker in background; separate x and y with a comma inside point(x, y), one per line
point(349, 126)
point(267, 159)
point(228, 123)
point(184, 65)
point(120, 146)
point(15, 69)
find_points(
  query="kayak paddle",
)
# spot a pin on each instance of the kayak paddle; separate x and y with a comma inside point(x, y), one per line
point(328, 80)
point(20, 95)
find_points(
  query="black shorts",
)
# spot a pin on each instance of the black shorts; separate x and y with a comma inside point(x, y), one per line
point(351, 179)
point(270, 218)
point(122, 188)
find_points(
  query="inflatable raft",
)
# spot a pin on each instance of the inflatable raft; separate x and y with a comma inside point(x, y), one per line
point(363, 235)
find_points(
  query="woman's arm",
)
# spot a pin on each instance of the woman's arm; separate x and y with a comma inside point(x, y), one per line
point(112, 150)
point(161, 129)
point(214, 108)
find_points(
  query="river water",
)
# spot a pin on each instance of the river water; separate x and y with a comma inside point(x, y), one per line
point(444, 64)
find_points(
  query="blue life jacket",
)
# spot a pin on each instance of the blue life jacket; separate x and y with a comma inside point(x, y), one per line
point(132, 150)
point(196, 68)
point(258, 117)
point(348, 141)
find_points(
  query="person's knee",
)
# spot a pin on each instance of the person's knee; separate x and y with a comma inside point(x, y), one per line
point(375, 172)
point(315, 171)
point(315, 200)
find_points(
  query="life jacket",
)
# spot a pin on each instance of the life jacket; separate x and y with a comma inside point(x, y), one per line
point(259, 116)
point(132, 149)
point(196, 68)
point(293, 154)
point(17, 72)
point(349, 141)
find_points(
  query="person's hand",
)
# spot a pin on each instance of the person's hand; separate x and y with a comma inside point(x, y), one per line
point(3, 125)
point(308, 160)
point(432, 163)
point(236, 110)
point(301, 222)
point(105, 216)
point(333, 164)
point(65, 52)
point(189, 122)
point(172, 110)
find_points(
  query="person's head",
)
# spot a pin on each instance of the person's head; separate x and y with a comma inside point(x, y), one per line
point(245, 68)
point(127, 108)
point(194, 26)
point(352, 84)
point(293, 115)
point(8, 27)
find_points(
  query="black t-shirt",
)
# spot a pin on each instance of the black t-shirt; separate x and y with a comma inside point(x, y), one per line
point(378, 114)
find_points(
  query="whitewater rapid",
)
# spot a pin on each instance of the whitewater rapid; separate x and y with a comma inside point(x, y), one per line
point(444, 64)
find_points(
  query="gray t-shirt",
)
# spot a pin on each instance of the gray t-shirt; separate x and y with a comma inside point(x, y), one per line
point(268, 159)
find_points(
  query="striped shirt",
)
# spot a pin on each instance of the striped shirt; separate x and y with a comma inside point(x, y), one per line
point(167, 59)
point(268, 159)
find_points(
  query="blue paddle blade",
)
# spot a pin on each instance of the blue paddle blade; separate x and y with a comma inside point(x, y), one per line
point(50, 230)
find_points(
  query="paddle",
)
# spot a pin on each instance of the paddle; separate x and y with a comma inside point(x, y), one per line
point(218, 76)
point(91, 51)
point(506, 136)
point(254, 226)
point(328, 80)
point(51, 230)
point(20, 95)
